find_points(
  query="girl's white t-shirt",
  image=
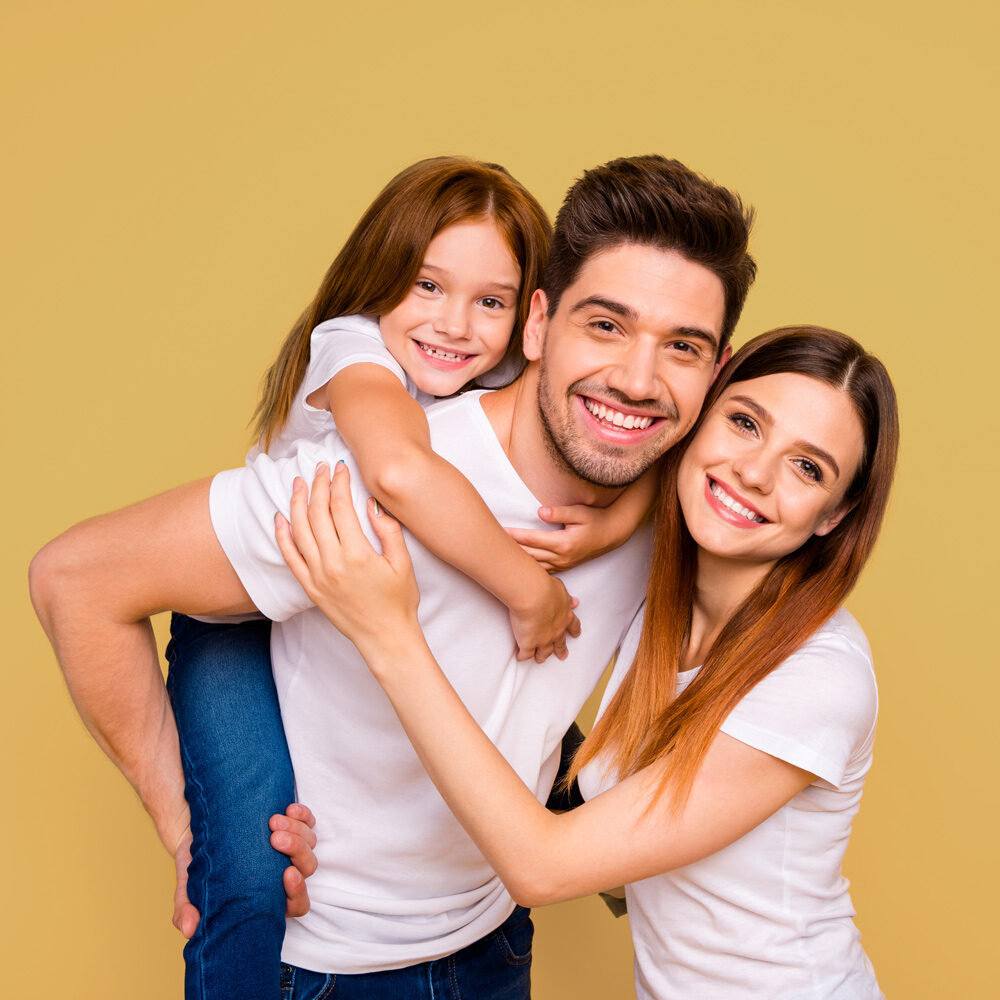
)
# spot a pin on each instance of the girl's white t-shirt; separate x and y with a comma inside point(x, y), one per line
point(770, 916)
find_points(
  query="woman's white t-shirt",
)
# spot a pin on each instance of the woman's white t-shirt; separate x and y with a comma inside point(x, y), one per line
point(769, 916)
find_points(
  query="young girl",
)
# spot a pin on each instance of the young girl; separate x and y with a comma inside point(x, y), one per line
point(736, 732)
point(428, 296)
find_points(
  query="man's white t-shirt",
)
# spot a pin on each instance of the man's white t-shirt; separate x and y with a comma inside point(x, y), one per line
point(399, 881)
point(770, 916)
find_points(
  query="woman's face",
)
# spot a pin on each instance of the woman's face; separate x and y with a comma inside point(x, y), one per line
point(770, 467)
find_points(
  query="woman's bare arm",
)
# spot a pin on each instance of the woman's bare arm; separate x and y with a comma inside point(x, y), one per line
point(541, 857)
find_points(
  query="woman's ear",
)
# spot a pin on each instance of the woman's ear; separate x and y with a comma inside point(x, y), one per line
point(535, 325)
point(833, 518)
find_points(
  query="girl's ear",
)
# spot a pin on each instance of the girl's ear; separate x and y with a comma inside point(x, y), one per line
point(535, 325)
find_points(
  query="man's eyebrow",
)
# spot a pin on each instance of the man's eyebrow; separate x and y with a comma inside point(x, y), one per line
point(618, 308)
point(632, 314)
point(445, 273)
point(762, 414)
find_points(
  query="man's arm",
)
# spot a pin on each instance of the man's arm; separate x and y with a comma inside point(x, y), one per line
point(94, 588)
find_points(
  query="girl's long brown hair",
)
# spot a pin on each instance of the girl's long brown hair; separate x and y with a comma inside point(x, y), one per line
point(644, 720)
point(380, 260)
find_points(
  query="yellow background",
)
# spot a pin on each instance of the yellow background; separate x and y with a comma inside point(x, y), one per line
point(178, 176)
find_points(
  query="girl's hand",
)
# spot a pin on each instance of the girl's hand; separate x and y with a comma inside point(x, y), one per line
point(587, 532)
point(547, 621)
point(343, 575)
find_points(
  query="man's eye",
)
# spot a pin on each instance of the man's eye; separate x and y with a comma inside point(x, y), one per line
point(605, 325)
point(684, 346)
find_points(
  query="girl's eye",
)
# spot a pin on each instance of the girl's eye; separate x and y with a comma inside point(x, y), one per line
point(491, 303)
point(810, 469)
point(427, 286)
point(743, 423)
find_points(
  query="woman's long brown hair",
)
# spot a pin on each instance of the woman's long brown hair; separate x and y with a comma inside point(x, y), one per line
point(644, 720)
point(380, 260)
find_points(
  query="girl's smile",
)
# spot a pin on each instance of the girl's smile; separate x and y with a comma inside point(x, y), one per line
point(769, 467)
point(457, 319)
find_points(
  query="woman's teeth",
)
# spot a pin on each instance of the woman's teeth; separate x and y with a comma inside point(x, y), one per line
point(615, 417)
point(734, 505)
point(436, 352)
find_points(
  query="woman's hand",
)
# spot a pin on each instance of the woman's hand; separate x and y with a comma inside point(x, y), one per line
point(337, 566)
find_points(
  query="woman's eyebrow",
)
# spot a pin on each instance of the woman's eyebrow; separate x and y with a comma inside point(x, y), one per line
point(763, 415)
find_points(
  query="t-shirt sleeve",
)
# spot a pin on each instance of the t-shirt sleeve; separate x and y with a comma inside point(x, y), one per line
point(816, 710)
point(243, 503)
point(339, 343)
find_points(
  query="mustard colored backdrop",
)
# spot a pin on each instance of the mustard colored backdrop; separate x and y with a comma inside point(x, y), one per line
point(176, 179)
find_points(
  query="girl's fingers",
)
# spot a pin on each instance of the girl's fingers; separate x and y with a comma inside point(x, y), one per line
point(573, 514)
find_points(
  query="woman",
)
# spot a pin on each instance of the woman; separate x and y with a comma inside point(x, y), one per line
point(735, 735)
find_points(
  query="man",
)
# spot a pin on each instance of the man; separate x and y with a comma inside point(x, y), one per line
point(647, 276)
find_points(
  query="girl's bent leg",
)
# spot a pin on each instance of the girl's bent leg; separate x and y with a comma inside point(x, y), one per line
point(238, 773)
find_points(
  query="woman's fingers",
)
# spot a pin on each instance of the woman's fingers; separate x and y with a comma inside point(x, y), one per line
point(390, 536)
point(298, 515)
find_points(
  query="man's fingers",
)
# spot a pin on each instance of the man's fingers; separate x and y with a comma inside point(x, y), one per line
point(296, 893)
point(302, 813)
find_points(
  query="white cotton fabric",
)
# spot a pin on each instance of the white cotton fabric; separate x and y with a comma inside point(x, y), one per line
point(770, 915)
point(399, 882)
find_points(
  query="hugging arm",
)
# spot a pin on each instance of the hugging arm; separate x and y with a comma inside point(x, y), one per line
point(94, 588)
point(386, 431)
point(541, 857)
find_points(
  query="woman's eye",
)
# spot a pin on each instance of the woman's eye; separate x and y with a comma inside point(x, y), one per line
point(810, 469)
point(427, 286)
point(744, 423)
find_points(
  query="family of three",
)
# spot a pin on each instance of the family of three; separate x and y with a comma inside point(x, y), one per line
point(697, 515)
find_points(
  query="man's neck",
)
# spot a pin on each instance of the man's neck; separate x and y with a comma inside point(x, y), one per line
point(513, 414)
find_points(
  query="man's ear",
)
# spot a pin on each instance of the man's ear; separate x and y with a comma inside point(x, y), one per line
point(535, 325)
point(833, 519)
point(723, 358)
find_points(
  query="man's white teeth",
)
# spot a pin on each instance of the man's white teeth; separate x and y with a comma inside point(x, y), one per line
point(436, 352)
point(616, 417)
point(734, 505)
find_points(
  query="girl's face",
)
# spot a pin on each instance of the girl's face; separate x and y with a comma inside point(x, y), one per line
point(770, 467)
point(457, 319)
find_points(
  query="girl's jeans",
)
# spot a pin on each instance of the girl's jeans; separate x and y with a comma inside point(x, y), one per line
point(238, 774)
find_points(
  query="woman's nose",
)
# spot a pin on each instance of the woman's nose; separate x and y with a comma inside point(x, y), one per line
point(755, 470)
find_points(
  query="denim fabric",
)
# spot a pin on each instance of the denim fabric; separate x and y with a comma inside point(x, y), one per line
point(238, 774)
point(496, 967)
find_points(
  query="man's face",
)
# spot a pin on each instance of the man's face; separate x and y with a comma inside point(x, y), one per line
point(626, 360)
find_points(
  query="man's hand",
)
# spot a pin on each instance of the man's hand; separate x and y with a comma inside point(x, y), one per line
point(291, 834)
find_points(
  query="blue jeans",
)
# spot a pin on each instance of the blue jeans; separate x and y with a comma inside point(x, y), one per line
point(237, 773)
point(496, 967)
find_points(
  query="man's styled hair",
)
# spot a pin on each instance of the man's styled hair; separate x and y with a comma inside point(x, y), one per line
point(653, 201)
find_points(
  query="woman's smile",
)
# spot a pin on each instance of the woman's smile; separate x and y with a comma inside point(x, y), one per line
point(769, 467)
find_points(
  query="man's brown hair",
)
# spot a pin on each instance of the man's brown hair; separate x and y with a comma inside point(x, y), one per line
point(653, 201)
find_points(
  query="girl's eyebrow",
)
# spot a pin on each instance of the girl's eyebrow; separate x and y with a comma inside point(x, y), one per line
point(763, 415)
point(503, 285)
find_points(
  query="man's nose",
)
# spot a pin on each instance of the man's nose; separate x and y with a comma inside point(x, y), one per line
point(635, 374)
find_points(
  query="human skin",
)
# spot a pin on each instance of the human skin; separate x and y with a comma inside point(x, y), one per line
point(95, 587)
